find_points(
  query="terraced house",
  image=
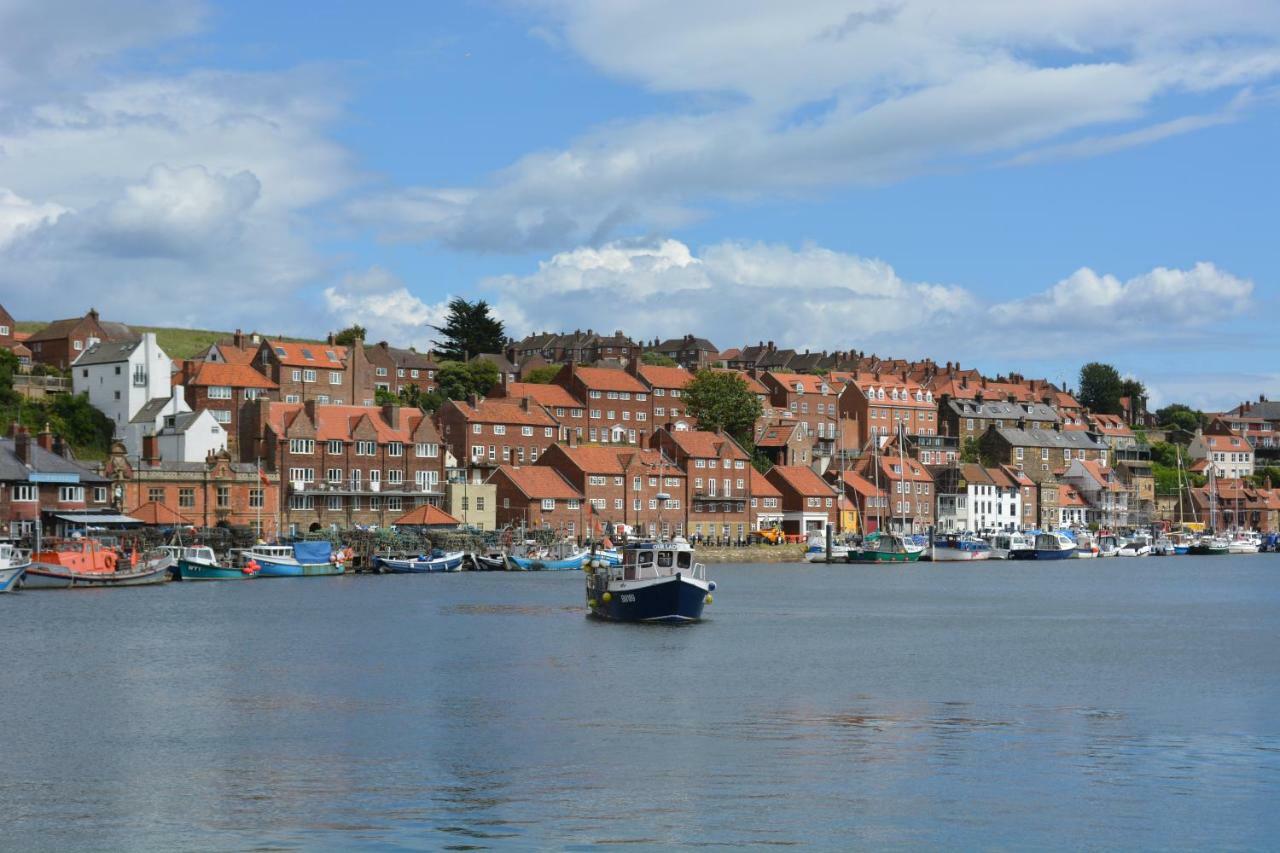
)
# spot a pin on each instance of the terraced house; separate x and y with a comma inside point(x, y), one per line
point(63, 341)
point(969, 418)
point(485, 433)
point(618, 404)
point(346, 465)
point(666, 393)
point(41, 483)
point(717, 476)
point(324, 373)
point(810, 399)
point(537, 497)
point(396, 369)
point(569, 411)
point(223, 388)
point(885, 405)
point(639, 489)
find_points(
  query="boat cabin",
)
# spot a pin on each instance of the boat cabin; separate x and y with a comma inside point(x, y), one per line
point(657, 559)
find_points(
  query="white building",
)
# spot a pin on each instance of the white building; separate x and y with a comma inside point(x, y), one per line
point(1106, 498)
point(189, 436)
point(1230, 454)
point(974, 498)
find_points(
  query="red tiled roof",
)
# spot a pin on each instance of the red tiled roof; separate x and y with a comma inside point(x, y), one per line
point(1068, 496)
point(235, 355)
point(730, 354)
point(546, 395)
point(608, 379)
point(156, 514)
point(233, 375)
point(338, 423)
point(1223, 444)
point(293, 354)
point(761, 487)
point(862, 485)
point(605, 460)
point(21, 337)
point(664, 377)
point(426, 516)
point(504, 411)
point(810, 383)
point(802, 480)
point(537, 482)
point(776, 435)
point(753, 384)
point(698, 442)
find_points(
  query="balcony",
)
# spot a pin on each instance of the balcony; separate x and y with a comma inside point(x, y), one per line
point(347, 487)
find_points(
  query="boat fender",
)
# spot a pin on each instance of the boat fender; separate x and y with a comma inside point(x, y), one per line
point(591, 602)
point(109, 560)
point(711, 586)
point(607, 597)
point(708, 599)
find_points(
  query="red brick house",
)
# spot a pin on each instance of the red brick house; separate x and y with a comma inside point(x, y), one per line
point(537, 497)
point(717, 481)
point(61, 342)
point(40, 479)
point(690, 351)
point(568, 410)
point(785, 442)
point(811, 399)
point(766, 502)
point(618, 405)
point(485, 433)
point(223, 389)
point(884, 404)
point(8, 330)
point(342, 466)
point(322, 373)
point(666, 387)
point(205, 494)
point(622, 485)
point(912, 502)
point(868, 502)
point(808, 501)
point(395, 369)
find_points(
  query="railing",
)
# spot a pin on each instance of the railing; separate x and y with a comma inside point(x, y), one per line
point(45, 383)
point(652, 571)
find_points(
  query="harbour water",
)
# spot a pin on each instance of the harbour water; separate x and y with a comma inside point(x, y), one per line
point(1103, 703)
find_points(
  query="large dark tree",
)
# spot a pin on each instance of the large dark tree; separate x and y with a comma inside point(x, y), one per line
point(348, 336)
point(1179, 415)
point(1101, 388)
point(723, 401)
point(468, 331)
point(459, 380)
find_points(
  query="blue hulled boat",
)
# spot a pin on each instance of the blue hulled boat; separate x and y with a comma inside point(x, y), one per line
point(437, 561)
point(572, 563)
point(301, 559)
point(1054, 546)
point(654, 582)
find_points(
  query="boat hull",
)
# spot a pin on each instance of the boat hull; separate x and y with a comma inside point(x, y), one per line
point(1054, 553)
point(271, 569)
point(11, 578)
point(56, 577)
point(669, 599)
point(447, 563)
point(883, 557)
point(189, 571)
point(530, 564)
point(488, 564)
point(958, 555)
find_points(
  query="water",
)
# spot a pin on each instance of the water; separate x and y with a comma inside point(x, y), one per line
point(1130, 703)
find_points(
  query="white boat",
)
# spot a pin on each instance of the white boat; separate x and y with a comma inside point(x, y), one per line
point(1108, 545)
point(1137, 546)
point(655, 582)
point(953, 548)
point(1054, 546)
point(1012, 546)
point(13, 567)
point(1243, 543)
point(816, 551)
point(1086, 548)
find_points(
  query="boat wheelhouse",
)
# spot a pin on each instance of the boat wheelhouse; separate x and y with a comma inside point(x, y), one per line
point(1054, 546)
point(13, 566)
point(1012, 546)
point(959, 548)
point(885, 548)
point(654, 582)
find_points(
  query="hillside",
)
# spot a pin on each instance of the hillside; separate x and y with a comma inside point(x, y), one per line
point(178, 343)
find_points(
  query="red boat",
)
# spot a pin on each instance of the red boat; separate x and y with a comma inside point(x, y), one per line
point(84, 562)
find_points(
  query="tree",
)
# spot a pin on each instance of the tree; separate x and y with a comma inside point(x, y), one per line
point(723, 401)
point(970, 451)
point(657, 359)
point(469, 330)
point(1180, 416)
point(459, 380)
point(542, 375)
point(383, 397)
point(348, 336)
point(1101, 388)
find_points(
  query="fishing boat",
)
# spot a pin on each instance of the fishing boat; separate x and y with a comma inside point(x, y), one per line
point(301, 559)
point(572, 563)
point(1054, 546)
point(1210, 546)
point(493, 562)
point(654, 582)
point(13, 566)
point(436, 561)
point(1012, 546)
point(85, 562)
point(1181, 542)
point(200, 563)
point(884, 548)
point(816, 552)
point(1086, 548)
point(959, 548)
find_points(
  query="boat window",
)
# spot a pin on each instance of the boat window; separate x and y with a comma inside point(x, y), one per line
point(684, 559)
point(646, 558)
point(664, 559)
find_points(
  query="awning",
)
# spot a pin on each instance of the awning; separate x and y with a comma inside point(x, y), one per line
point(95, 518)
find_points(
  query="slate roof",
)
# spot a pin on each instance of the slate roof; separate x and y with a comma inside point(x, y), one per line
point(1050, 438)
point(1003, 409)
point(42, 462)
point(148, 413)
point(107, 352)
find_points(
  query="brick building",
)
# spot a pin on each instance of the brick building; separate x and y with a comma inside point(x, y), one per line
point(61, 342)
point(966, 419)
point(808, 501)
point(8, 330)
point(396, 369)
point(569, 411)
point(885, 405)
point(217, 491)
point(40, 479)
point(343, 466)
point(538, 497)
point(485, 433)
point(717, 470)
point(666, 389)
point(223, 388)
point(766, 502)
point(622, 485)
point(811, 399)
point(323, 373)
point(690, 351)
point(785, 442)
point(912, 502)
point(618, 404)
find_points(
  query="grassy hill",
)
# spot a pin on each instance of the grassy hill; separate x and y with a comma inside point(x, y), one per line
point(178, 343)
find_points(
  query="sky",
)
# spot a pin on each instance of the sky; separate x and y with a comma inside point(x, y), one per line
point(1014, 186)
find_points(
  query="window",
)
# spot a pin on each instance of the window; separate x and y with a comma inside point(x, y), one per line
point(395, 504)
point(222, 497)
point(79, 345)
point(395, 448)
point(255, 498)
point(291, 398)
point(427, 451)
point(335, 377)
point(222, 416)
point(219, 392)
point(335, 447)
point(302, 475)
point(617, 503)
point(366, 448)
point(476, 429)
point(333, 502)
point(499, 429)
point(302, 446)
point(25, 493)
point(308, 375)
point(526, 431)
point(252, 393)
point(301, 502)
point(4, 330)
point(573, 503)
point(186, 498)
point(548, 432)
point(297, 376)
point(548, 504)
point(395, 476)
point(333, 475)
point(382, 371)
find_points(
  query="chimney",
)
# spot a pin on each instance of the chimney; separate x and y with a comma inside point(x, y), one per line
point(45, 439)
point(238, 339)
point(310, 408)
point(572, 440)
point(524, 404)
point(391, 414)
point(22, 444)
point(93, 314)
point(150, 449)
point(331, 340)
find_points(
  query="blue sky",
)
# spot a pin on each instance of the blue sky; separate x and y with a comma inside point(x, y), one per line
point(1017, 188)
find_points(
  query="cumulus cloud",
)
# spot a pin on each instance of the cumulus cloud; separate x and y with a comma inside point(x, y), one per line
point(823, 95)
point(738, 293)
point(379, 301)
point(20, 216)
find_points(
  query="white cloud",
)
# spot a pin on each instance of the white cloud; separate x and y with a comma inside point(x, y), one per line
point(379, 301)
point(821, 95)
point(19, 216)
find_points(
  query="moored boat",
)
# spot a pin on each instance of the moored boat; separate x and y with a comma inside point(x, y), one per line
point(1209, 546)
point(816, 552)
point(1012, 546)
point(436, 561)
point(85, 562)
point(884, 548)
point(200, 563)
point(1242, 543)
point(301, 559)
point(1108, 545)
point(1054, 546)
point(13, 566)
point(654, 582)
point(1138, 545)
point(959, 548)
point(1086, 548)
